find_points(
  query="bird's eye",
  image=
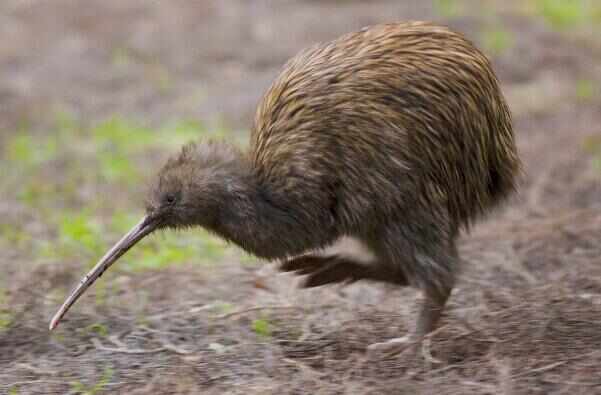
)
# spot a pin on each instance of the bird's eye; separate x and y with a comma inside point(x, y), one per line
point(170, 199)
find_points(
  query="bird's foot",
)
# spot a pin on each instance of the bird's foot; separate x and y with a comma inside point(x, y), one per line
point(408, 345)
point(393, 346)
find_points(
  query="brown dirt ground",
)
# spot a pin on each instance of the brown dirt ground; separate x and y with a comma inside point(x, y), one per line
point(524, 319)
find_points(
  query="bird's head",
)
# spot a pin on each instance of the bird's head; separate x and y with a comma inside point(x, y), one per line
point(191, 189)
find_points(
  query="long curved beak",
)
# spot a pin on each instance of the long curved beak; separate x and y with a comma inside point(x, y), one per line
point(137, 233)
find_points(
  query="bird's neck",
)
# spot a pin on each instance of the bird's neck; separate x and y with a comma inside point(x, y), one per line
point(266, 223)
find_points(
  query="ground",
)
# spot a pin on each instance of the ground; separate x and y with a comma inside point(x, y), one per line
point(94, 97)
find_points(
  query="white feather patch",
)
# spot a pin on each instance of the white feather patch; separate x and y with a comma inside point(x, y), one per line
point(351, 247)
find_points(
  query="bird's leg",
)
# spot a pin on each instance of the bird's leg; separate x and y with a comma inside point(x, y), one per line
point(434, 272)
point(428, 318)
point(434, 269)
point(430, 312)
point(437, 294)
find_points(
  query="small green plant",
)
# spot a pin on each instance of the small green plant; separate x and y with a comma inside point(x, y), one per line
point(261, 327)
point(592, 146)
point(121, 135)
point(97, 328)
point(117, 167)
point(79, 232)
point(6, 317)
point(24, 150)
point(585, 89)
point(564, 14)
point(222, 307)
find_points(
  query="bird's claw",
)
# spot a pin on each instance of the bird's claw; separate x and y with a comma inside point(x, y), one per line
point(391, 347)
point(406, 345)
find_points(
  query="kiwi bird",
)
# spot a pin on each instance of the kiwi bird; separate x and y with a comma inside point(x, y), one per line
point(397, 135)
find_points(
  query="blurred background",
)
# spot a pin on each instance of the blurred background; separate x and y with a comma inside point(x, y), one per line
point(93, 97)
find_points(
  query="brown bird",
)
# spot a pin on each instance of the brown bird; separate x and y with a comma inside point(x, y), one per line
point(396, 135)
